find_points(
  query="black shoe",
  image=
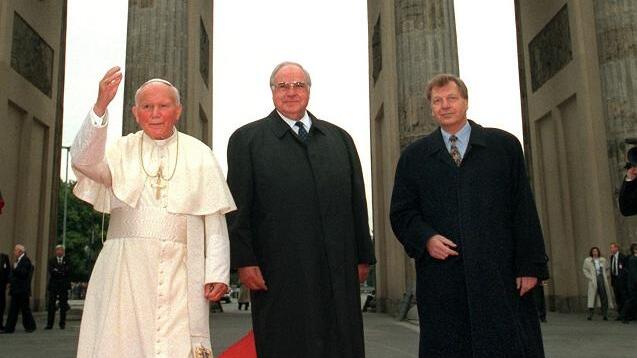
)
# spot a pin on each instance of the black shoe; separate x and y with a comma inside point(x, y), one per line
point(48, 327)
point(62, 326)
point(30, 330)
point(9, 332)
point(605, 318)
point(625, 321)
point(618, 319)
point(589, 318)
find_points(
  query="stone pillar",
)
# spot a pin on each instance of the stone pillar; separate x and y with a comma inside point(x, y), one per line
point(410, 42)
point(617, 53)
point(171, 40)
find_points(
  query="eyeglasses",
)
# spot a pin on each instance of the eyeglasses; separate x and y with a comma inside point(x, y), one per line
point(281, 86)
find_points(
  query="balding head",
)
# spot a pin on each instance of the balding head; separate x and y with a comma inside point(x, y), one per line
point(18, 250)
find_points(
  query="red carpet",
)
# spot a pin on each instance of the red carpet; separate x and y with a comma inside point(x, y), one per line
point(244, 348)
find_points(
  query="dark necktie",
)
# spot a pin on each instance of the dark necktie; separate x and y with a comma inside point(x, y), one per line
point(455, 153)
point(303, 134)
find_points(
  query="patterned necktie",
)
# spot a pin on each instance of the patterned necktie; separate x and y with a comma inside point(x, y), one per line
point(455, 153)
point(303, 134)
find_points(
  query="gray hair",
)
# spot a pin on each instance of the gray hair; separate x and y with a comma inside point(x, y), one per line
point(278, 67)
point(158, 80)
point(21, 248)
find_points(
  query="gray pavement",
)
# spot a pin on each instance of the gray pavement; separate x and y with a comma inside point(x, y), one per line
point(565, 336)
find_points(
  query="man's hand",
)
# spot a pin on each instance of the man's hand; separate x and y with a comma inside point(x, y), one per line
point(363, 271)
point(251, 277)
point(631, 173)
point(525, 284)
point(107, 90)
point(439, 247)
point(214, 291)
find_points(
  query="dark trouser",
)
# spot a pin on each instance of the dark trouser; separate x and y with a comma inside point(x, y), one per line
point(19, 303)
point(619, 290)
point(630, 306)
point(3, 303)
point(54, 295)
point(247, 304)
point(601, 292)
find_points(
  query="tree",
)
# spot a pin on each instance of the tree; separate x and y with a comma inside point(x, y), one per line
point(83, 233)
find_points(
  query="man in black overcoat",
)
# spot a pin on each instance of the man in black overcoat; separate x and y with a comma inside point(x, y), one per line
point(58, 287)
point(628, 191)
point(5, 270)
point(617, 262)
point(462, 208)
point(20, 292)
point(300, 237)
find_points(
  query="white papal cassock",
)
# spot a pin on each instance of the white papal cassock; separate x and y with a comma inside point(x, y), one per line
point(165, 241)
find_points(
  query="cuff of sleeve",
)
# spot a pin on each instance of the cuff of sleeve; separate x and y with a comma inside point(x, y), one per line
point(216, 274)
point(539, 270)
point(98, 121)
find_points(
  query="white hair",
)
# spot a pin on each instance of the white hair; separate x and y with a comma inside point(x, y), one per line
point(278, 67)
point(21, 248)
point(157, 80)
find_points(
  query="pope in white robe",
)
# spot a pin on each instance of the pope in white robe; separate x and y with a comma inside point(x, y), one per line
point(166, 253)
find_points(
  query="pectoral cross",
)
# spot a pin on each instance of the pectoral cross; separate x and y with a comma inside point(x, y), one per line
point(159, 184)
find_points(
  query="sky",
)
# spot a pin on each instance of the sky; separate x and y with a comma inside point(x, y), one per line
point(328, 37)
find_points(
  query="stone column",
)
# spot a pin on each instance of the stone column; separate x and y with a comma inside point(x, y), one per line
point(425, 46)
point(617, 52)
point(156, 46)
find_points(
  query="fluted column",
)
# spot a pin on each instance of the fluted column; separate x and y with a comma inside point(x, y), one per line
point(425, 46)
point(156, 46)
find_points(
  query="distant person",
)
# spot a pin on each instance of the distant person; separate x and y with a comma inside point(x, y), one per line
point(628, 191)
point(596, 271)
point(463, 209)
point(300, 237)
point(630, 306)
point(59, 271)
point(5, 271)
point(618, 275)
point(20, 292)
point(244, 297)
point(167, 250)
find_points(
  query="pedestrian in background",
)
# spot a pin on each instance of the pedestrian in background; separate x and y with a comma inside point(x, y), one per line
point(618, 276)
point(244, 297)
point(630, 306)
point(59, 284)
point(5, 270)
point(20, 292)
point(597, 272)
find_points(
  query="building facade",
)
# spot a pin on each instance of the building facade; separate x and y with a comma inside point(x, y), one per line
point(32, 45)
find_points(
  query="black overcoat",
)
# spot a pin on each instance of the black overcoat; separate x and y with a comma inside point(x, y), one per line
point(628, 198)
point(59, 274)
point(468, 305)
point(302, 218)
point(20, 278)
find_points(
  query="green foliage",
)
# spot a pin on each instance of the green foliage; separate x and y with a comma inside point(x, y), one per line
point(83, 233)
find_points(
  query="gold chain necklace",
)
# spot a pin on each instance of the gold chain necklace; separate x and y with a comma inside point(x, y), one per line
point(158, 185)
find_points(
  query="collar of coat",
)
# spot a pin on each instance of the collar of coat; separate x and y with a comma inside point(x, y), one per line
point(280, 128)
point(436, 143)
